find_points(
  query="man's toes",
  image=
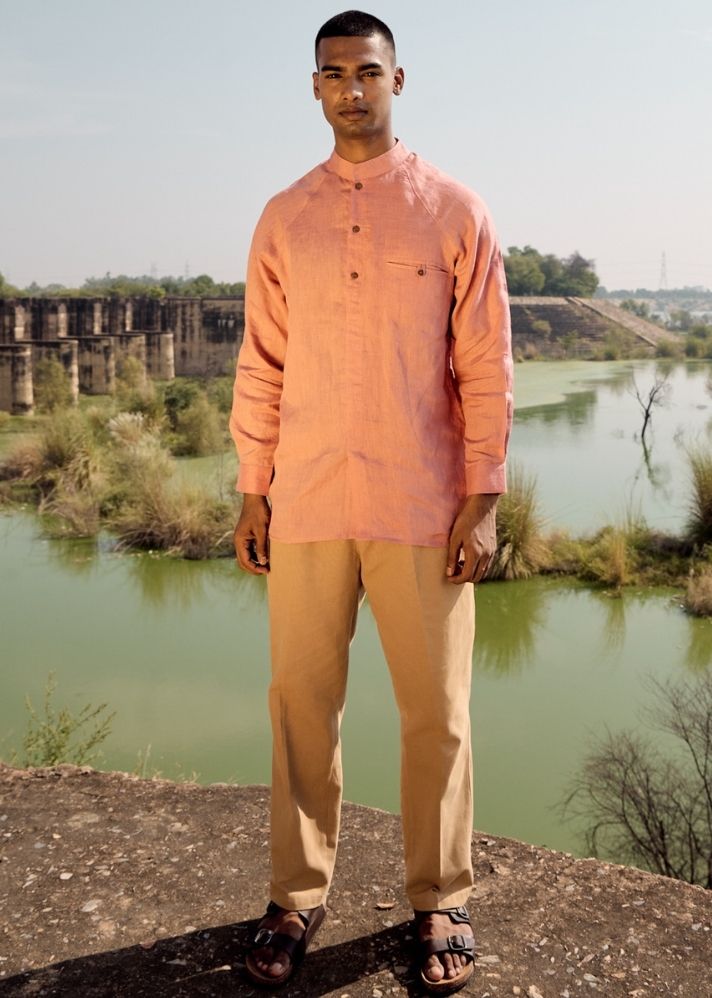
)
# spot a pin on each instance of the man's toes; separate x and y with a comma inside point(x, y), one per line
point(434, 969)
point(450, 970)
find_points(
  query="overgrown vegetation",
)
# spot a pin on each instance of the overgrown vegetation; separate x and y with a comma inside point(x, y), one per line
point(114, 467)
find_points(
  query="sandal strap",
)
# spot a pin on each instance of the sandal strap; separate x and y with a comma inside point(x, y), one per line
point(457, 915)
point(456, 943)
point(282, 940)
point(305, 914)
point(278, 941)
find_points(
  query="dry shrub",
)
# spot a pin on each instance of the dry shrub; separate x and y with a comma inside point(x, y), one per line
point(698, 598)
point(609, 559)
point(181, 519)
point(521, 551)
point(64, 446)
point(200, 429)
point(699, 524)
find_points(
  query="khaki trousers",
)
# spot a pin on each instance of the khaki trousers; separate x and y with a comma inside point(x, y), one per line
point(426, 626)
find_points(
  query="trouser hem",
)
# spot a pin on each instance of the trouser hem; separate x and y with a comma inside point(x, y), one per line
point(297, 900)
point(430, 901)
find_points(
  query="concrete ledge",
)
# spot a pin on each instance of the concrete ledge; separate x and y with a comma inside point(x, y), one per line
point(115, 886)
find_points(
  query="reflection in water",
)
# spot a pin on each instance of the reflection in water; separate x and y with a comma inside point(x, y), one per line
point(166, 581)
point(613, 630)
point(658, 475)
point(577, 410)
point(698, 657)
point(509, 615)
point(78, 556)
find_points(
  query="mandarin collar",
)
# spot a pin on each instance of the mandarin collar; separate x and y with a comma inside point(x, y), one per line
point(369, 168)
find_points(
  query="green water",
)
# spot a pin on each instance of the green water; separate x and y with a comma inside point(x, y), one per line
point(179, 649)
point(585, 449)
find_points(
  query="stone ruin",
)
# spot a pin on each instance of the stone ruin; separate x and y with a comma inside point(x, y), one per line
point(91, 336)
point(177, 336)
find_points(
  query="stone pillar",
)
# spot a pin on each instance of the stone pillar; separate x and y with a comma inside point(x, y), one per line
point(97, 365)
point(223, 323)
point(65, 351)
point(131, 345)
point(16, 394)
point(119, 316)
point(14, 320)
point(49, 318)
point(160, 355)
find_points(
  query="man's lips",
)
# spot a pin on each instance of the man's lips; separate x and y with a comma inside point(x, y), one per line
point(353, 112)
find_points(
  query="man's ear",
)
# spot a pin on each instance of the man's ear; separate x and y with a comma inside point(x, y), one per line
point(315, 86)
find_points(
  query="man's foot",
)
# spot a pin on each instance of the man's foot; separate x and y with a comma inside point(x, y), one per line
point(280, 943)
point(449, 966)
point(270, 959)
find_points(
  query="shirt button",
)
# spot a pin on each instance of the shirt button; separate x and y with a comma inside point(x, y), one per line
point(355, 228)
point(358, 185)
point(354, 274)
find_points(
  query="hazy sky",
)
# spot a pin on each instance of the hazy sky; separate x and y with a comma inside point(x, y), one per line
point(140, 134)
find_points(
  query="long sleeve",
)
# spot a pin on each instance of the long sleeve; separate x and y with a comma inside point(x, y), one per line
point(481, 354)
point(257, 391)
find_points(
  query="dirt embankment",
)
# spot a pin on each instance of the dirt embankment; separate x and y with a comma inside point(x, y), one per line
point(115, 886)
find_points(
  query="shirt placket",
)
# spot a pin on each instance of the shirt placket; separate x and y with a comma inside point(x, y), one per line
point(356, 292)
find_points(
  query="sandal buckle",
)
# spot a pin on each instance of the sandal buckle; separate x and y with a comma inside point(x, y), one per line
point(263, 937)
point(457, 942)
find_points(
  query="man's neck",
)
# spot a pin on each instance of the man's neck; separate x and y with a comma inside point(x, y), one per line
point(359, 150)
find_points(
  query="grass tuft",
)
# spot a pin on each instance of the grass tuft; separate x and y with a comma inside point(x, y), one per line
point(698, 597)
point(699, 524)
point(521, 551)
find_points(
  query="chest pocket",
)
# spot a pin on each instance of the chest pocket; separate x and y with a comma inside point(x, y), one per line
point(421, 294)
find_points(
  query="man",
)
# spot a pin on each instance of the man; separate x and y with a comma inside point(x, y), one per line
point(373, 405)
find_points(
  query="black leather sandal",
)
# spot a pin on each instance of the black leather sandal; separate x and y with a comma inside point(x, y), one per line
point(463, 945)
point(294, 947)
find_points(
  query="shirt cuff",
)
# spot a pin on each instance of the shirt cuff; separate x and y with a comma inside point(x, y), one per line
point(254, 478)
point(480, 481)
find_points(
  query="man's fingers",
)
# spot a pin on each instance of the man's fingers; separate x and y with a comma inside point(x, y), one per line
point(243, 545)
point(261, 546)
point(453, 551)
point(465, 568)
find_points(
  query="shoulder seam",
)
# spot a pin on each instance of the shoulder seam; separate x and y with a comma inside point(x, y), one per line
point(308, 198)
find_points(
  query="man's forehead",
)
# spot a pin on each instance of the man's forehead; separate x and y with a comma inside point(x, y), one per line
point(358, 49)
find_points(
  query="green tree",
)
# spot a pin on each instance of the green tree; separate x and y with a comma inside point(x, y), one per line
point(528, 272)
point(524, 275)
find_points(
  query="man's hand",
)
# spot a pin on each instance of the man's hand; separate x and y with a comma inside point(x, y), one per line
point(473, 539)
point(251, 534)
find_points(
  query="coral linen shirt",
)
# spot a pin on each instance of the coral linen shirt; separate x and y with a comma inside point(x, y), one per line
point(373, 387)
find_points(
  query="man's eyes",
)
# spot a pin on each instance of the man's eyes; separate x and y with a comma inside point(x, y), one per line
point(337, 76)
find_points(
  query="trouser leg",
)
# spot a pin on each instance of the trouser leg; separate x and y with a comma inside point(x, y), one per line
point(313, 593)
point(427, 628)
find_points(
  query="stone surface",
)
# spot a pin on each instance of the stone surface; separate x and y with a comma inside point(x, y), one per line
point(115, 886)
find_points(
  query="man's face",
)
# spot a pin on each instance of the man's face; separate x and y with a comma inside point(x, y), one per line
point(355, 83)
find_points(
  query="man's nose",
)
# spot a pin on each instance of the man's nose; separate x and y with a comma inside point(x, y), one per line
point(353, 88)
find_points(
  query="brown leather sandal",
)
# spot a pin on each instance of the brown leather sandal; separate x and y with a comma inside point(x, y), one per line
point(294, 947)
point(463, 945)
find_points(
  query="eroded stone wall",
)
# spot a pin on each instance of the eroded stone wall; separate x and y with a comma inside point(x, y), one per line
point(170, 336)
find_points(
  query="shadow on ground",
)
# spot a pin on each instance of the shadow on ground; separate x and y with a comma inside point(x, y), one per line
point(210, 962)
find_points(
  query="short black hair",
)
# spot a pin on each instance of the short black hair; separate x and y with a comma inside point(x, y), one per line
point(353, 24)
